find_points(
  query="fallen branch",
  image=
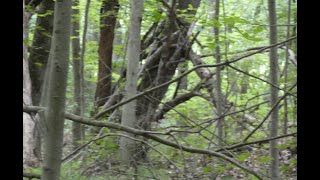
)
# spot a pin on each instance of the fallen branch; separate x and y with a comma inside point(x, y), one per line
point(256, 142)
point(147, 134)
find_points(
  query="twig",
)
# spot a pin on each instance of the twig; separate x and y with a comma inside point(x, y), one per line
point(256, 142)
point(266, 117)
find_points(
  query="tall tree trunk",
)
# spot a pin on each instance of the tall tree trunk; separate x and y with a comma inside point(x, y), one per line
point(109, 13)
point(219, 98)
point(29, 158)
point(56, 90)
point(77, 76)
point(285, 103)
point(82, 74)
point(274, 164)
point(39, 54)
point(162, 69)
point(128, 117)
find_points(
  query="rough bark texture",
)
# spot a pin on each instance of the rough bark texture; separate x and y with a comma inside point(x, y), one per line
point(109, 13)
point(29, 158)
point(127, 146)
point(57, 81)
point(274, 152)
point(77, 76)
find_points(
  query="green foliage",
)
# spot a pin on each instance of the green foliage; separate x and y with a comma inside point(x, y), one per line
point(264, 159)
point(242, 25)
point(207, 169)
point(219, 169)
point(46, 13)
point(242, 157)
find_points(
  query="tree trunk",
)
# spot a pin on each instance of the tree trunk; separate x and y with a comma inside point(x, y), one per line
point(274, 164)
point(285, 103)
point(162, 69)
point(29, 158)
point(77, 76)
point(56, 90)
point(182, 84)
point(82, 74)
point(118, 41)
point(108, 22)
point(219, 97)
point(39, 54)
point(128, 118)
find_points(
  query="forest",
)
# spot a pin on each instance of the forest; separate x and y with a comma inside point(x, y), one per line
point(159, 89)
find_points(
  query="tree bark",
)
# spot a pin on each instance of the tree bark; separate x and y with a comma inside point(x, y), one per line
point(274, 152)
point(285, 104)
point(39, 54)
point(163, 68)
point(56, 90)
point(108, 22)
point(219, 97)
point(77, 76)
point(127, 146)
point(29, 158)
point(82, 74)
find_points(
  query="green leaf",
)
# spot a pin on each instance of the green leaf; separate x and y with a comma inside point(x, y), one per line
point(264, 159)
point(242, 157)
point(258, 29)
point(47, 13)
point(285, 168)
point(220, 169)
point(282, 146)
point(293, 161)
point(207, 169)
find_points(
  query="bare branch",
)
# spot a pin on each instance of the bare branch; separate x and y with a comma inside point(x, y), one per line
point(147, 134)
point(227, 62)
point(256, 142)
point(266, 117)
